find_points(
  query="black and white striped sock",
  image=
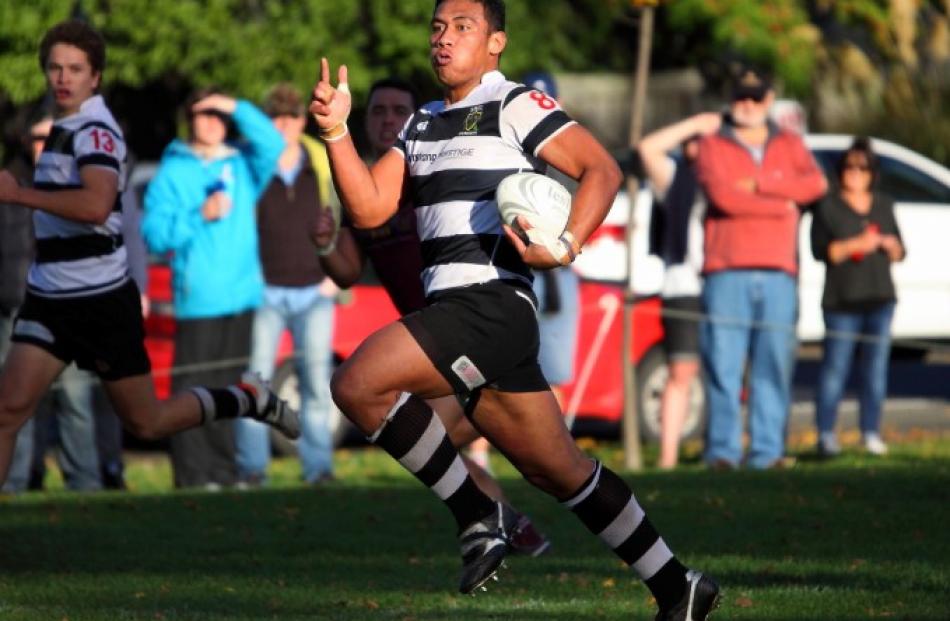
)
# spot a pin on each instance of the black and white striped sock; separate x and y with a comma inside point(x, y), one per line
point(219, 403)
point(415, 436)
point(607, 506)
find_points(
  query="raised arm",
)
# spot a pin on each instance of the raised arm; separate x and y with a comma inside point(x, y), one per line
point(370, 195)
point(655, 146)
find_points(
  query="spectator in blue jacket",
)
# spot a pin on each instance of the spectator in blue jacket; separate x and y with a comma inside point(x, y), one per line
point(200, 207)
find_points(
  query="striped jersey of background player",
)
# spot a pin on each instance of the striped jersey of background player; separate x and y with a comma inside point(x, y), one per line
point(81, 304)
point(450, 157)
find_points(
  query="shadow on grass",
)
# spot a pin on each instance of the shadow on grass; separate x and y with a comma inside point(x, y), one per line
point(388, 551)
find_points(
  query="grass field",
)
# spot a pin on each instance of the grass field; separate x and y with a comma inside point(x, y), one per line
point(857, 538)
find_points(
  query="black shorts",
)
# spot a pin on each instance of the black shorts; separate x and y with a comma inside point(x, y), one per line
point(681, 327)
point(102, 333)
point(482, 335)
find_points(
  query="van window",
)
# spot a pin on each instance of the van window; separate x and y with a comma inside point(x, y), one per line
point(906, 184)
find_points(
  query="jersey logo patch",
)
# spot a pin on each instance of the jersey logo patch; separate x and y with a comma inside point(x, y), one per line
point(471, 121)
point(468, 372)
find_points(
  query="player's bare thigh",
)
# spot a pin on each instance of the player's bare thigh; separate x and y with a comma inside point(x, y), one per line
point(529, 429)
point(387, 363)
point(27, 374)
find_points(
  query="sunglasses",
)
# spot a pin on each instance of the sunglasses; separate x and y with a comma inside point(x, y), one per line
point(39, 137)
point(759, 98)
point(861, 167)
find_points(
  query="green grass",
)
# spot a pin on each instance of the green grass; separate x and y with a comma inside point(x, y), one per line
point(857, 538)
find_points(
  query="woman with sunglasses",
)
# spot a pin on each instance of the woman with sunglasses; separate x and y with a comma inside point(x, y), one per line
point(855, 233)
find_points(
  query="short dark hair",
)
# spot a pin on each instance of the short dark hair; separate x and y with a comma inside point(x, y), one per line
point(494, 13)
point(395, 83)
point(862, 146)
point(77, 33)
point(197, 95)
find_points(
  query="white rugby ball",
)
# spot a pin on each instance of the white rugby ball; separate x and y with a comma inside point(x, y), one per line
point(539, 199)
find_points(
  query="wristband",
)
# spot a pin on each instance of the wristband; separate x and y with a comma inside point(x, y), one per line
point(570, 244)
point(337, 132)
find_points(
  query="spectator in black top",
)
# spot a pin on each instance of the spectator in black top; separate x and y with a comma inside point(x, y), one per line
point(855, 233)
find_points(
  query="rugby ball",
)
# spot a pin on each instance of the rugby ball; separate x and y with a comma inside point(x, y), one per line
point(543, 202)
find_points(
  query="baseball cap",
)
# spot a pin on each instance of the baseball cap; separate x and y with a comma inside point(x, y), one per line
point(542, 81)
point(751, 83)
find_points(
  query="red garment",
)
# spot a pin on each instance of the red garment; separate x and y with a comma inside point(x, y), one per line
point(746, 230)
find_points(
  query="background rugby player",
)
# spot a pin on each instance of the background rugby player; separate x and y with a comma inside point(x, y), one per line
point(81, 304)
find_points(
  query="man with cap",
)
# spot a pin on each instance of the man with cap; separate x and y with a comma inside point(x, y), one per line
point(756, 177)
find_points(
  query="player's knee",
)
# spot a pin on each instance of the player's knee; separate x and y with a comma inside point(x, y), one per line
point(345, 391)
point(14, 410)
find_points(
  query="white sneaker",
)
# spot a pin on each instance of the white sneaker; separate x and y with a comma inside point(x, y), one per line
point(271, 409)
point(828, 445)
point(874, 445)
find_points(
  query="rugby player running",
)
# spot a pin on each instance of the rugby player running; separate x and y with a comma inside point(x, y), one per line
point(395, 252)
point(478, 336)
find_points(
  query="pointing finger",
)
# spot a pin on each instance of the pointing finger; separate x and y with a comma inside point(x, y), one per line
point(324, 70)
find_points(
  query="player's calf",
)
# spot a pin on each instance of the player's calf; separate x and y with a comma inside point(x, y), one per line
point(607, 506)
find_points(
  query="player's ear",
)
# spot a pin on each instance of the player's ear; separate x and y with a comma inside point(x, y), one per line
point(497, 42)
point(98, 78)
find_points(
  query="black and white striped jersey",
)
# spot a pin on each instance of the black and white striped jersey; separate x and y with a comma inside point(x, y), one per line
point(456, 156)
point(74, 258)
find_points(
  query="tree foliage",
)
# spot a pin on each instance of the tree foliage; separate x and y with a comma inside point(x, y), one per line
point(246, 45)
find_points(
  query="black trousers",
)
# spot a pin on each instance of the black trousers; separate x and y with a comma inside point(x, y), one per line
point(219, 347)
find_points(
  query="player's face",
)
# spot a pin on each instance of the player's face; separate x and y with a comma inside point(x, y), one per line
point(388, 110)
point(70, 77)
point(462, 47)
point(290, 127)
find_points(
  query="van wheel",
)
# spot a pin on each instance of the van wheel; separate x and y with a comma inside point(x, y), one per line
point(287, 387)
point(651, 379)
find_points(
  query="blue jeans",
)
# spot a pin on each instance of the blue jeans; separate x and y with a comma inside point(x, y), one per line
point(558, 330)
point(308, 314)
point(751, 314)
point(872, 365)
point(78, 457)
